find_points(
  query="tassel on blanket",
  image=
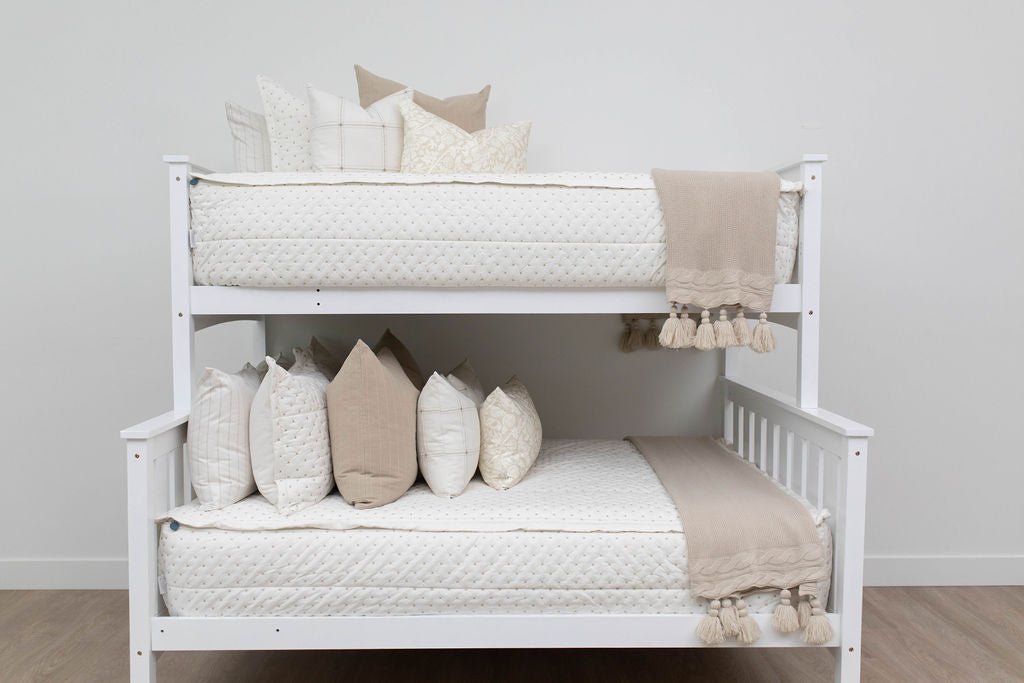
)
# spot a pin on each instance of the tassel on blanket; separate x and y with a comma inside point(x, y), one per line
point(704, 340)
point(710, 627)
point(819, 629)
point(725, 335)
point(785, 619)
point(803, 613)
point(730, 619)
point(740, 329)
point(749, 630)
point(671, 336)
point(764, 339)
point(632, 338)
point(651, 335)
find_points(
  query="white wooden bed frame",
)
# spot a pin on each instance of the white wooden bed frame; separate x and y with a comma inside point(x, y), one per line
point(818, 454)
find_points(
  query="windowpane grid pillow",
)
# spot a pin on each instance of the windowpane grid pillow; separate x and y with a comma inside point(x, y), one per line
point(252, 142)
point(346, 137)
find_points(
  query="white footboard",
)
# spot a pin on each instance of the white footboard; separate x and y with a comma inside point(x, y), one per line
point(813, 452)
point(823, 457)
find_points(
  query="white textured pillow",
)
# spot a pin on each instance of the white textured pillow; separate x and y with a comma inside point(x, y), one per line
point(447, 436)
point(464, 379)
point(287, 127)
point(345, 137)
point(252, 142)
point(288, 435)
point(433, 145)
point(510, 435)
point(218, 437)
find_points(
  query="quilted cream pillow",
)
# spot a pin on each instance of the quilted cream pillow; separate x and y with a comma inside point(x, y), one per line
point(288, 435)
point(345, 137)
point(510, 435)
point(447, 436)
point(252, 142)
point(372, 409)
point(433, 145)
point(218, 437)
point(287, 127)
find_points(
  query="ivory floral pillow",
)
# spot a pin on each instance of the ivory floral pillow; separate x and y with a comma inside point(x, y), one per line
point(510, 435)
point(433, 145)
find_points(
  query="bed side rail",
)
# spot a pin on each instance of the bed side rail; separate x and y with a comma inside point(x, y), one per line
point(157, 482)
point(823, 457)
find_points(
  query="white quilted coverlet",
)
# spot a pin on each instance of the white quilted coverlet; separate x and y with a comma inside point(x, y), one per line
point(411, 230)
point(589, 530)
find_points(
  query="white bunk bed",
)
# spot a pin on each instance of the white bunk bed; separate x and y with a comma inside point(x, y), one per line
point(812, 452)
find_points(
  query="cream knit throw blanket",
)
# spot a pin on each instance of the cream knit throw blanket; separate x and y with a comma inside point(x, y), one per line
point(743, 533)
point(720, 235)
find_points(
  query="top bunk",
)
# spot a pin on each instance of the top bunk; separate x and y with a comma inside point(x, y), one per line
point(253, 244)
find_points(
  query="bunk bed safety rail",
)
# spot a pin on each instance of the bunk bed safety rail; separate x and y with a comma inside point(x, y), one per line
point(822, 457)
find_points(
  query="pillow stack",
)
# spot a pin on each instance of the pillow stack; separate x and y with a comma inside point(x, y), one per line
point(325, 132)
point(369, 425)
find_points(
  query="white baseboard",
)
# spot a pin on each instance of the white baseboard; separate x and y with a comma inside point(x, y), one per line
point(879, 570)
point(944, 570)
point(23, 574)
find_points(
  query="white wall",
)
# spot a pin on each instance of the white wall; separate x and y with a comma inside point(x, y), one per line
point(918, 103)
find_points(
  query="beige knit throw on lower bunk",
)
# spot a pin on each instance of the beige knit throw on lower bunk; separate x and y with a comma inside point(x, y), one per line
point(743, 533)
point(720, 236)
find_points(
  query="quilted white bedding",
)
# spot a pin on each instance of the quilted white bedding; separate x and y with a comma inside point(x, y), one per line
point(404, 230)
point(590, 529)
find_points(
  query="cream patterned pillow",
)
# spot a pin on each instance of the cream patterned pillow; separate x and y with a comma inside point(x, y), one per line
point(510, 435)
point(433, 145)
point(252, 142)
point(287, 126)
point(345, 137)
point(447, 436)
point(289, 437)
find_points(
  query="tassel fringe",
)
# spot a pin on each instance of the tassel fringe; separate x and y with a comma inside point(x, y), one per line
point(740, 329)
point(704, 340)
point(803, 613)
point(749, 630)
point(651, 341)
point(730, 619)
point(710, 628)
point(785, 619)
point(819, 630)
point(763, 340)
point(689, 330)
point(671, 331)
point(725, 334)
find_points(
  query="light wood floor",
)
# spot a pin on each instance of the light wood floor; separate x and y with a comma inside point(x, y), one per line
point(910, 634)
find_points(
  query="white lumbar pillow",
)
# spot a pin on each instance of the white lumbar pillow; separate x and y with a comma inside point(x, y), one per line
point(463, 377)
point(510, 435)
point(447, 436)
point(288, 435)
point(287, 118)
point(218, 437)
point(345, 137)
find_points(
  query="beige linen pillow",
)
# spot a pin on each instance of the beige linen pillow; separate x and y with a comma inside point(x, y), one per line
point(325, 361)
point(463, 378)
point(389, 341)
point(510, 435)
point(468, 112)
point(432, 145)
point(371, 408)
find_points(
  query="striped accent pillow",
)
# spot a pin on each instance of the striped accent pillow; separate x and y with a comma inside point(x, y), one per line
point(218, 437)
point(346, 137)
point(252, 142)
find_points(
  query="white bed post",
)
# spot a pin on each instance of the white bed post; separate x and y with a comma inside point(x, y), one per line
point(809, 275)
point(848, 586)
point(142, 582)
point(183, 327)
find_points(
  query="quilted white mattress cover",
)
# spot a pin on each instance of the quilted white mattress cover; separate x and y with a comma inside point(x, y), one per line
point(590, 529)
point(408, 230)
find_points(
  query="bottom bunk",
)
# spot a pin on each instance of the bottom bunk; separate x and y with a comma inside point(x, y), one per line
point(588, 551)
point(590, 530)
